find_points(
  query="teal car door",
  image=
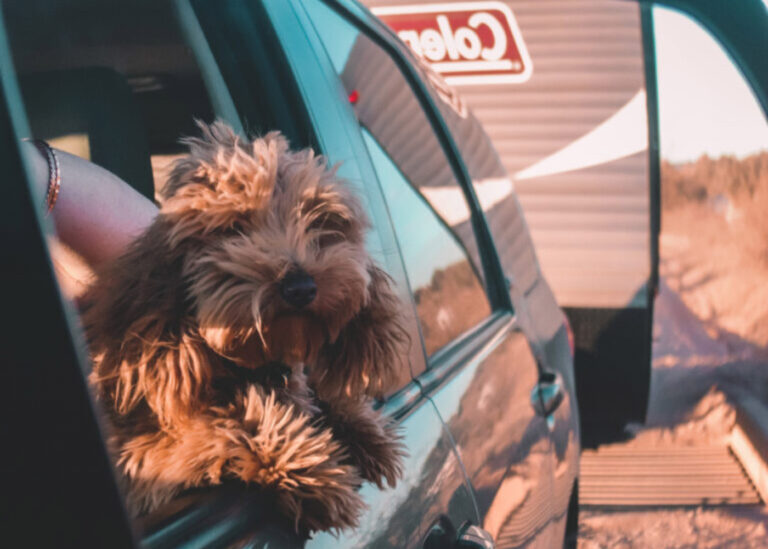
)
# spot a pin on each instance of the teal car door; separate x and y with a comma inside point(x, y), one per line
point(480, 370)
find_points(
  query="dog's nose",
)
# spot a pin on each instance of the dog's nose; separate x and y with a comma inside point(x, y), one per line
point(298, 288)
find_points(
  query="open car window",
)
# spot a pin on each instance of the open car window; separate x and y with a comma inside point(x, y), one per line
point(118, 87)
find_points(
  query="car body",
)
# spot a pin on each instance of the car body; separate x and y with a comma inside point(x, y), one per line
point(486, 401)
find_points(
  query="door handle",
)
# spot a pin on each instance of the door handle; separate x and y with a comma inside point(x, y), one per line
point(443, 535)
point(474, 537)
point(548, 393)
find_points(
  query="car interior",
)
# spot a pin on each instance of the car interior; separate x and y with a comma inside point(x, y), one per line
point(92, 89)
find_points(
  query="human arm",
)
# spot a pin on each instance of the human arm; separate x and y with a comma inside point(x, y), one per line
point(97, 214)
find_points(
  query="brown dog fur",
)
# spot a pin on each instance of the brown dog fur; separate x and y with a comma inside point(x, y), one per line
point(179, 323)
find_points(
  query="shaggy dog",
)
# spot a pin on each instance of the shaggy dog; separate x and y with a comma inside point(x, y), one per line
point(243, 334)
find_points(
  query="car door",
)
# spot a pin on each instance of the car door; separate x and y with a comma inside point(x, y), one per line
point(480, 369)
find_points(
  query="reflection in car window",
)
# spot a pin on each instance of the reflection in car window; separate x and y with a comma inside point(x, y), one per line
point(449, 297)
point(427, 204)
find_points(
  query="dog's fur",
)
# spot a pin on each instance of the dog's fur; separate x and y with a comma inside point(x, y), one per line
point(181, 325)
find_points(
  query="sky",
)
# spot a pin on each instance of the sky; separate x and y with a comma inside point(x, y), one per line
point(705, 105)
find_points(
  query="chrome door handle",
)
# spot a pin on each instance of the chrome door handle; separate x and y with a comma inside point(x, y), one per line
point(548, 393)
point(474, 537)
point(443, 535)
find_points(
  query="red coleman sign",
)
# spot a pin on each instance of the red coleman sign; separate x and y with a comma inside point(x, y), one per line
point(466, 42)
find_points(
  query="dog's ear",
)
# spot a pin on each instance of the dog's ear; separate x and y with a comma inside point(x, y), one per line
point(366, 356)
point(137, 324)
point(222, 179)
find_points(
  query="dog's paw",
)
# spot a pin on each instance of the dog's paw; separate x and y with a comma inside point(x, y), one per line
point(371, 441)
point(380, 457)
point(317, 492)
point(331, 504)
point(299, 462)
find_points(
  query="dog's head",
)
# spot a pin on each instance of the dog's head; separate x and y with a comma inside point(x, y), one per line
point(274, 263)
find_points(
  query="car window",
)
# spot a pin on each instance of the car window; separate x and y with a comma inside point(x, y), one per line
point(120, 92)
point(492, 185)
point(427, 205)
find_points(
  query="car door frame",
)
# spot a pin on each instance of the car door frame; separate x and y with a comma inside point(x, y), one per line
point(58, 467)
point(739, 36)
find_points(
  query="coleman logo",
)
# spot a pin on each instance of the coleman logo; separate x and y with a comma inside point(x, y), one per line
point(465, 42)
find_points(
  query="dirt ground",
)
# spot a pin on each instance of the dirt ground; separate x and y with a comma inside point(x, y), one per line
point(710, 341)
point(738, 527)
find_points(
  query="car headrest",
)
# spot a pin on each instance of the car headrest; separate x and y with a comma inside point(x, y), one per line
point(94, 107)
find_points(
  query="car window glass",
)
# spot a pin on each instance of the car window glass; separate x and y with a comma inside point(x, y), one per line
point(385, 104)
point(448, 295)
point(492, 185)
point(427, 205)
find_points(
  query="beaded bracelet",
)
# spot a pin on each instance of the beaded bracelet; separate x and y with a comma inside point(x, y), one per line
point(54, 172)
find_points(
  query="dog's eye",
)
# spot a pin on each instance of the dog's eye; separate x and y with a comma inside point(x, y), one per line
point(329, 239)
point(328, 229)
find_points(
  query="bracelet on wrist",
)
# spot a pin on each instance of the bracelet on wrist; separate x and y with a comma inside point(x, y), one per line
point(54, 172)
